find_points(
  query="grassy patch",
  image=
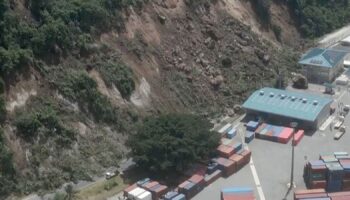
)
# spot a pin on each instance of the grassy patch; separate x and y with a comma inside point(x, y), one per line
point(102, 189)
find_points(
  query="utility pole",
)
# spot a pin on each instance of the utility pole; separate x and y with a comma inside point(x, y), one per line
point(291, 184)
point(293, 125)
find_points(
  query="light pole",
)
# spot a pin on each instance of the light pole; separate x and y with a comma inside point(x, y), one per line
point(293, 125)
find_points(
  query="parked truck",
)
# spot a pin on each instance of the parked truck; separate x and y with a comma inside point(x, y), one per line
point(340, 133)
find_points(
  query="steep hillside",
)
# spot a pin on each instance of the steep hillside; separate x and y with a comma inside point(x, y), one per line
point(79, 76)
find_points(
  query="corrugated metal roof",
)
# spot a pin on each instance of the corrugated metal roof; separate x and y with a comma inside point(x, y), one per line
point(322, 57)
point(295, 105)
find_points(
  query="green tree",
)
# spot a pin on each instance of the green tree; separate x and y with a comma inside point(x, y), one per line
point(172, 142)
point(318, 17)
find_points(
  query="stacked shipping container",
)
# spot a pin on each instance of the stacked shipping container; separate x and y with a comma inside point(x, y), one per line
point(320, 194)
point(278, 133)
point(331, 172)
point(145, 190)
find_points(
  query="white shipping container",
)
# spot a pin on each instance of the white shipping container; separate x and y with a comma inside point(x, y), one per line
point(135, 192)
point(145, 196)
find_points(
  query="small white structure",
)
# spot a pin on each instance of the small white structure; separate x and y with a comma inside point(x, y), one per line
point(345, 41)
point(342, 80)
point(347, 63)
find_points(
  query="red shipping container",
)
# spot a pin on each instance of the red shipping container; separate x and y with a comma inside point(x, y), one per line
point(339, 194)
point(246, 155)
point(240, 162)
point(197, 179)
point(297, 137)
point(228, 166)
point(315, 191)
point(149, 185)
point(341, 198)
point(158, 191)
point(318, 169)
point(129, 189)
point(285, 135)
point(183, 184)
point(318, 184)
point(225, 151)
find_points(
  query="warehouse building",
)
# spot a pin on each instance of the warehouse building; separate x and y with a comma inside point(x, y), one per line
point(283, 107)
point(322, 65)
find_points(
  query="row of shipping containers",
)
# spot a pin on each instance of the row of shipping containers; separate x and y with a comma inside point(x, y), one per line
point(272, 133)
point(145, 189)
point(232, 157)
point(320, 194)
point(237, 193)
point(331, 172)
point(219, 167)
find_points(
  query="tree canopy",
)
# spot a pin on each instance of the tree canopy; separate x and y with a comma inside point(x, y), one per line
point(172, 142)
point(318, 17)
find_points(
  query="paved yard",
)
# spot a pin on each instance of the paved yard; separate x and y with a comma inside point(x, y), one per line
point(273, 162)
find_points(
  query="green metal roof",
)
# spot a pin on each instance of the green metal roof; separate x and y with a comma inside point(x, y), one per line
point(295, 105)
point(322, 57)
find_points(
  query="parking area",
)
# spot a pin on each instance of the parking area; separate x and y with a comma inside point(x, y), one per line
point(272, 161)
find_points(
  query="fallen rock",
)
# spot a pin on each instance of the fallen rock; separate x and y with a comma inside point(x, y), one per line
point(206, 41)
point(161, 19)
point(217, 81)
point(190, 27)
point(214, 34)
point(211, 44)
point(226, 62)
point(266, 59)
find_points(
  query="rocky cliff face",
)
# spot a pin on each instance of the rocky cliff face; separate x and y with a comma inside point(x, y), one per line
point(213, 49)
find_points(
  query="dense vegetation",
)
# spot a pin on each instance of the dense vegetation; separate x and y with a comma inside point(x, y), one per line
point(50, 37)
point(318, 17)
point(7, 170)
point(171, 142)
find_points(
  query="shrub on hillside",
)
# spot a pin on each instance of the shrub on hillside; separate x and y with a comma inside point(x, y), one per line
point(79, 87)
point(120, 75)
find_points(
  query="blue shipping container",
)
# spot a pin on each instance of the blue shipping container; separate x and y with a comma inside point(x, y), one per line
point(249, 136)
point(142, 182)
point(179, 197)
point(237, 147)
point(170, 195)
point(232, 133)
point(252, 125)
point(237, 190)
